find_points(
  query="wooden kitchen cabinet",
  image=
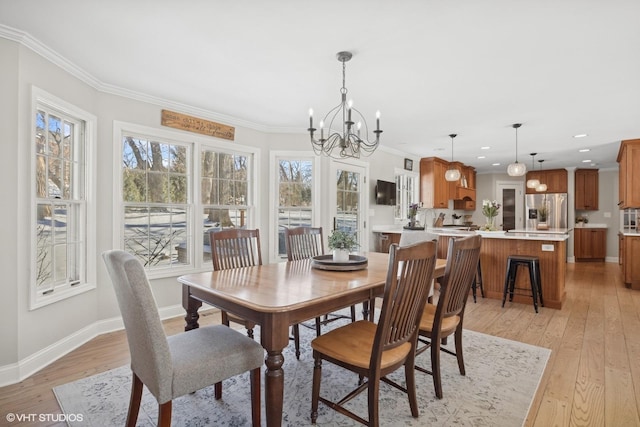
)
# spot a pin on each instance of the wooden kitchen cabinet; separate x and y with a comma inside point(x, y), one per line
point(385, 240)
point(590, 244)
point(630, 266)
point(556, 180)
point(434, 189)
point(586, 189)
point(629, 176)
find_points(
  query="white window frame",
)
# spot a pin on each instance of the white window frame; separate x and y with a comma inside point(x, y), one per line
point(195, 207)
point(86, 257)
point(274, 159)
point(401, 210)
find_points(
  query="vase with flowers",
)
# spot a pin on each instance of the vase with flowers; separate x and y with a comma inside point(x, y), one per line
point(411, 216)
point(490, 211)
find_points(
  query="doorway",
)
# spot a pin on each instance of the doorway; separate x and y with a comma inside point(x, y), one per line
point(349, 199)
point(510, 195)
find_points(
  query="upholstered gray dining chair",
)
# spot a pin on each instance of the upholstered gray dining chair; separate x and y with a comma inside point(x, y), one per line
point(180, 364)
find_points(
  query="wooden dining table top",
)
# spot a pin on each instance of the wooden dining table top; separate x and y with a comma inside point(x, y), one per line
point(290, 285)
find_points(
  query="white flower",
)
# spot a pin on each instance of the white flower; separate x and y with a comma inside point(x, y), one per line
point(486, 202)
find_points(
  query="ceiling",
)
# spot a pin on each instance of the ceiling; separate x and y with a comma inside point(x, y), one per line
point(432, 67)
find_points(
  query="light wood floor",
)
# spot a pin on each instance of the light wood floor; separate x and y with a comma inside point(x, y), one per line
point(592, 378)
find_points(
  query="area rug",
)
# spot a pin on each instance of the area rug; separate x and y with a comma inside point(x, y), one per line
point(501, 381)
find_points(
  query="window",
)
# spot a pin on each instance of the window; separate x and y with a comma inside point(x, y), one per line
point(406, 194)
point(63, 253)
point(155, 188)
point(297, 196)
point(174, 190)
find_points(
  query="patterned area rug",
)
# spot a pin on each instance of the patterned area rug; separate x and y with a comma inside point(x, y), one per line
point(501, 381)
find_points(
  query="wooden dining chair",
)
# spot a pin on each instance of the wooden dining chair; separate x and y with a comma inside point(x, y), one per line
point(174, 366)
point(303, 243)
point(446, 318)
point(235, 248)
point(374, 351)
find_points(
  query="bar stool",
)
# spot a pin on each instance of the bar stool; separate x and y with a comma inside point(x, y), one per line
point(533, 263)
point(477, 282)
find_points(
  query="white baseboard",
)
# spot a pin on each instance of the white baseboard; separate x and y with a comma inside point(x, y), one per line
point(16, 372)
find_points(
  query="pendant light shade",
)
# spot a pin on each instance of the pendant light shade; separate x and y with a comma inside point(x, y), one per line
point(541, 187)
point(515, 168)
point(452, 174)
point(533, 183)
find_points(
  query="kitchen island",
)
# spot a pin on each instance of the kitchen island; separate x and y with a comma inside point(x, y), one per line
point(549, 245)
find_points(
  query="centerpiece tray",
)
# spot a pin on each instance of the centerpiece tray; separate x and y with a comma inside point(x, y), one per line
point(326, 262)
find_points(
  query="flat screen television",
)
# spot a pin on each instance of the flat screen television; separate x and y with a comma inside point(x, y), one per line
point(385, 193)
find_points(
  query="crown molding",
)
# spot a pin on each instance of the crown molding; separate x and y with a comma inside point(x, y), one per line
point(54, 57)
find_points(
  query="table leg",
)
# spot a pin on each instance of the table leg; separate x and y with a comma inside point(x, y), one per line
point(274, 387)
point(191, 307)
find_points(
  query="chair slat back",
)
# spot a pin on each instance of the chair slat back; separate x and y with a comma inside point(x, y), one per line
point(462, 262)
point(303, 242)
point(235, 248)
point(405, 295)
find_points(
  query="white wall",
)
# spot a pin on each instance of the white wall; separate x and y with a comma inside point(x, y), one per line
point(8, 215)
point(32, 339)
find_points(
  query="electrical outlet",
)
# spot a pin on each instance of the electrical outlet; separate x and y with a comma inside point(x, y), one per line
point(547, 248)
point(607, 214)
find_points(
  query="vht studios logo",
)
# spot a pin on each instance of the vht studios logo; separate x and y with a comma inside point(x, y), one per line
point(11, 417)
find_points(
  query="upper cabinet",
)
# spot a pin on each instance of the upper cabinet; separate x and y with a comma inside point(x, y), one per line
point(436, 191)
point(555, 179)
point(586, 197)
point(629, 182)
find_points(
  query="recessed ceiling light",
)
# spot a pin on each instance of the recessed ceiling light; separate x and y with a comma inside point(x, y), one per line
point(586, 161)
point(485, 148)
point(584, 150)
point(481, 157)
point(580, 135)
point(495, 164)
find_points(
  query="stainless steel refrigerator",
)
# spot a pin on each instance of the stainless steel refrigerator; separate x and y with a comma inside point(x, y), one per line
point(556, 204)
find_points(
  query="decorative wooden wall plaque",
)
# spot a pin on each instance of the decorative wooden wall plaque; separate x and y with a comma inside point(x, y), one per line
point(194, 124)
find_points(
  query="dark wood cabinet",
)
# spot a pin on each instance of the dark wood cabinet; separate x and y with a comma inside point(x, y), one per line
point(555, 179)
point(590, 244)
point(629, 174)
point(586, 189)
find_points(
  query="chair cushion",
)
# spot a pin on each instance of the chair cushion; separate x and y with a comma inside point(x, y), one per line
point(207, 355)
point(353, 344)
point(449, 324)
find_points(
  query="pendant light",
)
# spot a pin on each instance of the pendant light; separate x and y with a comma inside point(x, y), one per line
point(452, 174)
point(515, 168)
point(541, 187)
point(533, 183)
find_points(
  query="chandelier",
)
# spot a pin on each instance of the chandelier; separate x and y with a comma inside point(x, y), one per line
point(516, 169)
point(346, 129)
point(452, 174)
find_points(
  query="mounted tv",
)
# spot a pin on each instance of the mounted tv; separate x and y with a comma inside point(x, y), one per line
point(385, 193)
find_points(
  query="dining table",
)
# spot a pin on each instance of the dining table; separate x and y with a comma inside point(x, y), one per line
point(278, 295)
